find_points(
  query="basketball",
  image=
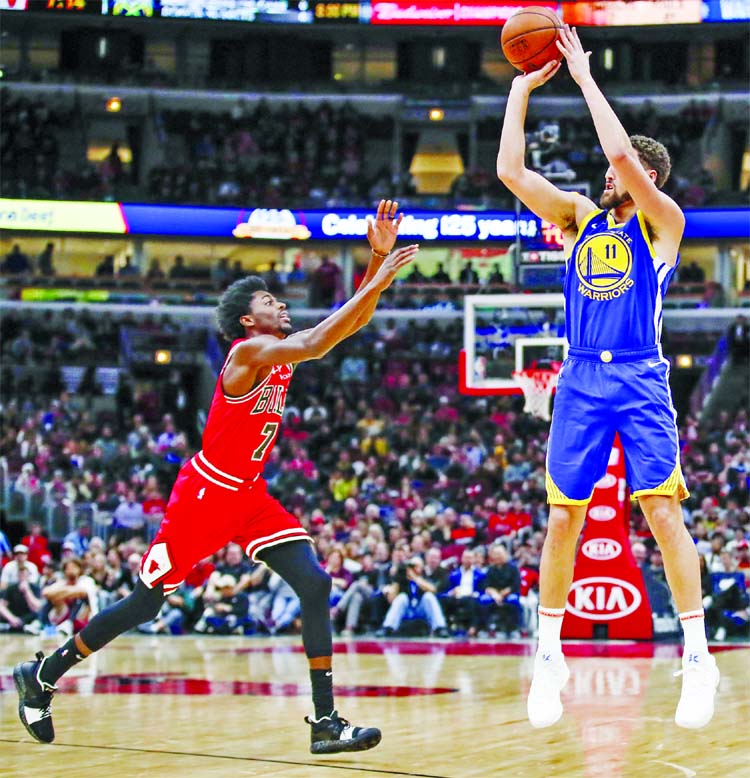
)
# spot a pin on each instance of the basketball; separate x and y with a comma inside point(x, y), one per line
point(528, 38)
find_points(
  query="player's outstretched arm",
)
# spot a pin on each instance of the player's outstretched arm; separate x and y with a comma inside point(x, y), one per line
point(548, 202)
point(381, 234)
point(658, 208)
point(319, 340)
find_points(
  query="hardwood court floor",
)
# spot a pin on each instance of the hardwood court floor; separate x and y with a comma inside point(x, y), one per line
point(217, 707)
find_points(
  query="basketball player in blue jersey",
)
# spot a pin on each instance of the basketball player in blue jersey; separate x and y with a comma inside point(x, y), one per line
point(620, 258)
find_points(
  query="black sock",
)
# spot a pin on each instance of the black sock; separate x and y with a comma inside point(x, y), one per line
point(322, 692)
point(57, 664)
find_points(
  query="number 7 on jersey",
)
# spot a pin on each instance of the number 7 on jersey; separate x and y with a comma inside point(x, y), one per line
point(269, 433)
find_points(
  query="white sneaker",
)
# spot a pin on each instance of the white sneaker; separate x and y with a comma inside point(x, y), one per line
point(550, 675)
point(700, 678)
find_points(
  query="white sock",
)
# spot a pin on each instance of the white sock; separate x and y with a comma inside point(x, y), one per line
point(694, 630)
point(550, 624)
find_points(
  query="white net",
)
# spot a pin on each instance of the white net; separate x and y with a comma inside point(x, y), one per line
point(537, 387)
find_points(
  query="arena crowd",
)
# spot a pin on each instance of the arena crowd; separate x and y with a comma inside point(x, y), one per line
point(426, 507)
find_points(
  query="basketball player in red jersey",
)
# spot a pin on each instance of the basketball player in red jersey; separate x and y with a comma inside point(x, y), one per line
point(220, 496)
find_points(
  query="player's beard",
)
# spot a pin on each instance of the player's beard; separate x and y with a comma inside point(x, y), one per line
point(611, 198)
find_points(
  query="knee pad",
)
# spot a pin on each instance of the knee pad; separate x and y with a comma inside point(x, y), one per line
point(317, 585)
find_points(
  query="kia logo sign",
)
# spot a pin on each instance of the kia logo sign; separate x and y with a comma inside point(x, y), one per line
point(601, 549)
point(603, 599)
point(602, 512)
point(606, 482)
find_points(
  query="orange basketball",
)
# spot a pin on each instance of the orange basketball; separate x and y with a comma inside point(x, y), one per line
point(528, 38)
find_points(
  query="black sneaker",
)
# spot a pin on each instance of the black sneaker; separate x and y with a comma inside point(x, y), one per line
point(34, 699)
point(332, 734)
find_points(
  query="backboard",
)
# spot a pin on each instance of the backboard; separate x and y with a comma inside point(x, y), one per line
point(503, 333)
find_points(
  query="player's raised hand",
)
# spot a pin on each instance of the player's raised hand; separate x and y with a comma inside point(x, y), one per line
point(394, 262)
point(538, 77)
point(382, 231)
point(572, 49)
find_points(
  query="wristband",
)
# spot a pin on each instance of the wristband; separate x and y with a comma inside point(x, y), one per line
point(378, 254)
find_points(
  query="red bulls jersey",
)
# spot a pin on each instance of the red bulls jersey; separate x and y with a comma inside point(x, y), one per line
point(240, 431)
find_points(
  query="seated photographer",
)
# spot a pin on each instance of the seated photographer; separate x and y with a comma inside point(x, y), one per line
point(19, 603)
point(227, 614)
point(417, 598)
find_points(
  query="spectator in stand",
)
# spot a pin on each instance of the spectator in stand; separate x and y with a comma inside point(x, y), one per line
point(19, 603)
point(640, 553)
point(70, 601)
point(284, 605)
point(154, 272)
point(221, 273)
point(11, 571)
point(118, 582)
point(175, 616)
point(239, 567)
point(324, 283)
point(27, 483)
point(738, 340)
point(274, 280)
point(79, 538)
point(517, 471)
point(502, 588)
point(341, 578)
point(128, 270)
point(369, 592)
point(5, 549)
point(16, 263)
point(468, 275)
point(44, 262)
point(461, 600)
point(154, 505)
point(36, 542)
point(440, 276)
point(714, 561)
point(129, 515)
point(106, 268)
point(179, 271)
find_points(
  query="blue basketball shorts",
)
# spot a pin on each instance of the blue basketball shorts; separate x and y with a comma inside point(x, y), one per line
point(626, 394)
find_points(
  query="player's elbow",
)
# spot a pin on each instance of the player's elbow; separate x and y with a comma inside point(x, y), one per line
point(506, 173)
point(315, 346)
point(621, 155)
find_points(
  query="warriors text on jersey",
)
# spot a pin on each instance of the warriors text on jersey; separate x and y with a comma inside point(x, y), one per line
point(240, 431)
point(614, 285)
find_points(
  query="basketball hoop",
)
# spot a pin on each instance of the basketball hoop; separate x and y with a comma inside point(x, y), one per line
point(537, 386)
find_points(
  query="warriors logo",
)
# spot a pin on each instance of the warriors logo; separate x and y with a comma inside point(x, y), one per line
point(603, 264)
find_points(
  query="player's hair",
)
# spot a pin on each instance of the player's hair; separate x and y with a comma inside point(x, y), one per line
point(655, 155)
point(235, 302)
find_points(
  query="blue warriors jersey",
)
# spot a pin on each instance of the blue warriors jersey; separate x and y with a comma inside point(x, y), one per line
point(614, 285)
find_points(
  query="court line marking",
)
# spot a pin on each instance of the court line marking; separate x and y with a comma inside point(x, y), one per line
point(686, 771)
point(329, 765)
